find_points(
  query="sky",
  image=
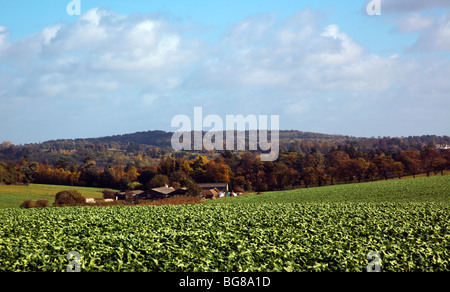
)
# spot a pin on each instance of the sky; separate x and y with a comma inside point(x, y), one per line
point(127, 66)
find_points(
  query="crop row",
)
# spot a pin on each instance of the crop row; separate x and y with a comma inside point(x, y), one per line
point(228, 238)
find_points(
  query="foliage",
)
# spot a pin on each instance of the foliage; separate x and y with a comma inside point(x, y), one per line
point(193, 189)
point(69, 198)
point(228, 238)
point(28, 204)
point(158, 181)
point(42, 204)
point(310, 160)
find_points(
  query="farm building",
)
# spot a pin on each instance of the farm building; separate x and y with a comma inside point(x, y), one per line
point(153, 194)
point(210, 194)
point(443, 147)
point(123, 195)
point(209, 191)
point(221, 187)
point(214, 190)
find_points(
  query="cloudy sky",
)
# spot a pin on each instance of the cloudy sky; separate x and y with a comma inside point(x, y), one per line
point(127, 66)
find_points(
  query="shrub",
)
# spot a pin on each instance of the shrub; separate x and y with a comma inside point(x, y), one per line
point(69, 198)
point(28, 204)
point(42, 204)
point(108, 194)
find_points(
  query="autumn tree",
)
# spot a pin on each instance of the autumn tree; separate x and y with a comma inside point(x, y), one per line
point(179, 178)
point(372, 171)
point(353, 168)
point(385, 165)
point(198, 166)
point(427, 156)
point(333, 161)
point(167, 165)
point(307, 175)
point(411, 161)
point(398, 168)
point(439, 164)
point(315, 169)
point(132, 173)
point(217, 172)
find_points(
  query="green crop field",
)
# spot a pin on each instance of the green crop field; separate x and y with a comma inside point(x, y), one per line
point(325, 229)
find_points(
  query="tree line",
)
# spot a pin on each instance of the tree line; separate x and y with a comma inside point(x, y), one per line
point(148, 148)
point(242, 170)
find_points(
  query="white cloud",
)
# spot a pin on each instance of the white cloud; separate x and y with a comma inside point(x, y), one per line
point(94, 16)
point(412, 5)
point(49, 33)
point(4, 32)
point(107, 67)
point(345, 49)
point(436, 37)
point(414, 22)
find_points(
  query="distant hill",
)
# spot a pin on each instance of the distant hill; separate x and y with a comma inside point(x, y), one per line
point(163, 139)
point(150, 138)
point(148, 147)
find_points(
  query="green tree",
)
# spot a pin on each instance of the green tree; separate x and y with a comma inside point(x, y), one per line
point(108, 178)
point(193, 189)
point(158, 181)
point(89, 174)
point(147, 174)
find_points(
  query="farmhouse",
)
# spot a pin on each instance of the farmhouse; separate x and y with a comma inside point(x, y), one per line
point(209, 191)
point(153, 194)
point(213, 190)
point(221, 187)
point(123, 195)
point(443, 147)
point(210, 194)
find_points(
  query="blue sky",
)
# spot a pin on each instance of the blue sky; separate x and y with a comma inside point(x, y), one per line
point(322, 66)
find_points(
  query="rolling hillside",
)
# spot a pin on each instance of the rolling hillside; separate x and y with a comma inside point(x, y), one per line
point(13, 196)
point(425, 189)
